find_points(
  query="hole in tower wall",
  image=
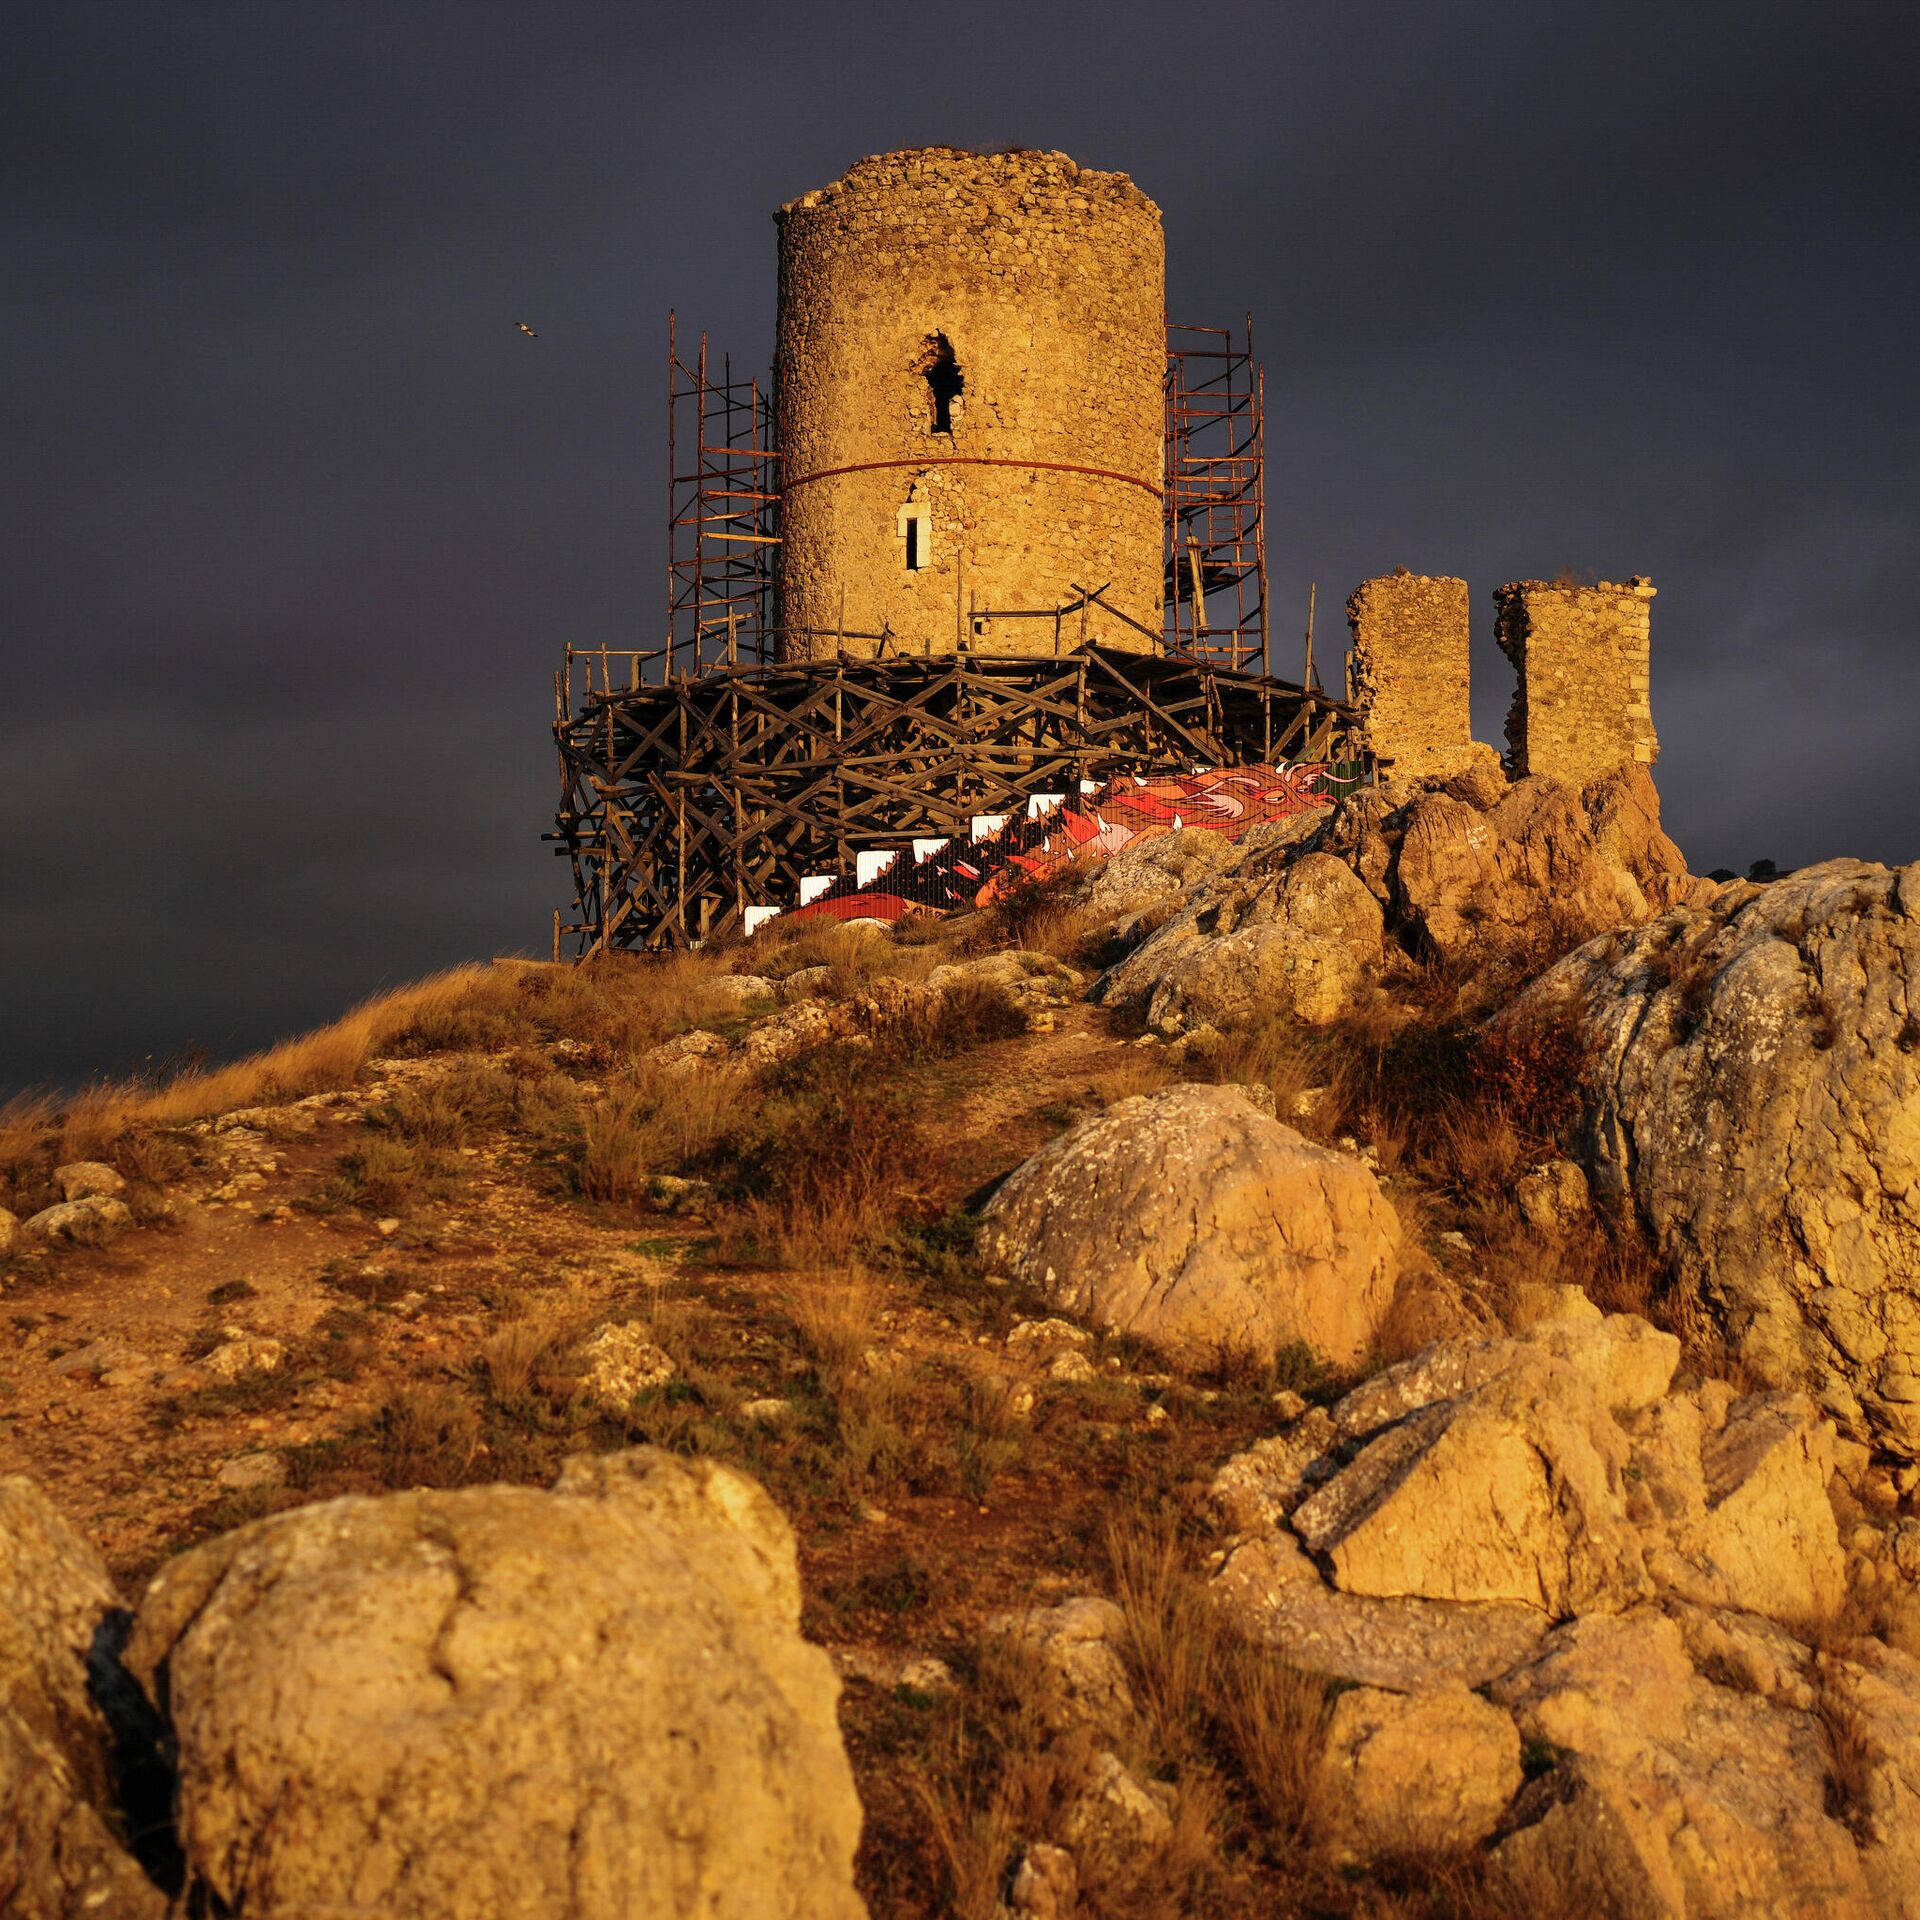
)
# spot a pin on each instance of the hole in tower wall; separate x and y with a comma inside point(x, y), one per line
point(913, 542)
point(944, 379)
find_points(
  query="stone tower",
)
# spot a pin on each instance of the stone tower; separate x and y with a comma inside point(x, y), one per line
point(968, 377)
point(1582, 700)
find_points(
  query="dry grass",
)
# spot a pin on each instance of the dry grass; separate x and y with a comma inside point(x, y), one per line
point(1039, 914)
point(654, 1121)
point(857, 955)
point(834, 1316)
point(619, 1007)
point(993, 1781)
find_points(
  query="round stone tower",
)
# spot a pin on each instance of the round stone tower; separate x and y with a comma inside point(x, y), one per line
point(970, 415)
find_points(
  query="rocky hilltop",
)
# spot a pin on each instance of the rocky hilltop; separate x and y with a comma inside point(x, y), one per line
point(1372, 1369)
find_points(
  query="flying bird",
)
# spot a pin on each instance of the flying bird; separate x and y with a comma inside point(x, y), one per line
point(527, 330)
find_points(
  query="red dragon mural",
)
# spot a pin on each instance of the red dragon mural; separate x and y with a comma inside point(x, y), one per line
point(961, 873)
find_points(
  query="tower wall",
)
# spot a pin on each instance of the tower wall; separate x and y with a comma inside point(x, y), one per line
point(1031, 294)
point(1582, 705)
point(1410, 672)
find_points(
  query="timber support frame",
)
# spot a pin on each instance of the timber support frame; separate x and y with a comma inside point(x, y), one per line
point(682, 805)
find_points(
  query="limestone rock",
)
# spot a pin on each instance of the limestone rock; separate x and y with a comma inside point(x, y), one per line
point(621, 1362)
point(88, 1222)
point(506, 1703)
point(688, 1052)
point(1046, 1884)
point(1117, 1815)
point(60, 1856)
point(1075, 1649)
point(808, 983)
point(1769, 1529)
point(1543, 855)
point(1299, 941)
point(1758, 1104)
point(1259, 1488)
point(1872, 1697)
point(1276, 1595)
point(1553, 1195)
point(801, 1028)
point(1417, 1772)
point(1556, 1471)
point(1148, 872)
point(1030, 980)
point(1680, 1797)
point(88, 1180)
point(241, 1353)
point(737, 992)
point(9, 1231)
point(1503, 1494)
point(1192, 1219)
point(1043, 1340)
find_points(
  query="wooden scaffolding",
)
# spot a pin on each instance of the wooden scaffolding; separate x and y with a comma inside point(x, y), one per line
point(686, 803)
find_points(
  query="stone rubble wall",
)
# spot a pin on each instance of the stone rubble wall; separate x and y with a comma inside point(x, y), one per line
point(1410, 672)
point(1049, 282)
point(1582, 706)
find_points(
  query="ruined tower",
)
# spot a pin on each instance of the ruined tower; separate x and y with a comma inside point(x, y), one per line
point(969, 392)
point(1582, 702)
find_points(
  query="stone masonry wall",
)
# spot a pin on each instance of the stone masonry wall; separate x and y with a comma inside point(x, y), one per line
point(1046, 283)
point(1410, 672)
point(1582, 706)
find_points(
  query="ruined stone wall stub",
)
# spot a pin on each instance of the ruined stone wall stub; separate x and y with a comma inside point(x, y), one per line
point(1582, 705)
point(1410, 673)
point(1030, 291)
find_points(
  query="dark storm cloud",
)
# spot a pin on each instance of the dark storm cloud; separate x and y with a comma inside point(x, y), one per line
point(298, 522)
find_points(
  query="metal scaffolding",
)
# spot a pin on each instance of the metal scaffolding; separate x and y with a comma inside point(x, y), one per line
point(1216, 548)
point(722, 517)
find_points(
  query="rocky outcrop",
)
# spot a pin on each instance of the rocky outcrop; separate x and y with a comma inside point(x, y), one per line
point(1543, 857)
point(1675, 1795)
point(1301, 944)
point(1758, 1103)
point(1466, 868)
point(1557, 1472)
point(1639, 1581)
point(1196, 1221)
point(1420, 1772)
point(501, 1702)
point(90, 1221)
point(1299, 936)
point(61, 1855)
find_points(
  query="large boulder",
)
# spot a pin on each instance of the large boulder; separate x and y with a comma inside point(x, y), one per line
point(1639, 1578)
point(1543, 859)
point(1676, 1796)
point(1193, 1219)
point(1555, 1471)
point(61, 1854)
point(1304, 947)
point(90, 1221)
point(1296, 932)
point(501, 1702)
point(1469, 868)
point(1757, 1101)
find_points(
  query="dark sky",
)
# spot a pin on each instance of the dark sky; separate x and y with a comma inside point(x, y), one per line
point(296, 522)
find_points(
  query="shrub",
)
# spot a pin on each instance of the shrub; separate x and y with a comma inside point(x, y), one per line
point(382, 1176)
point(835, 1129)
point(657, 1122)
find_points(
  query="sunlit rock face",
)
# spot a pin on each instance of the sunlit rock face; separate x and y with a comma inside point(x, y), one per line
point(1758, 1103)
